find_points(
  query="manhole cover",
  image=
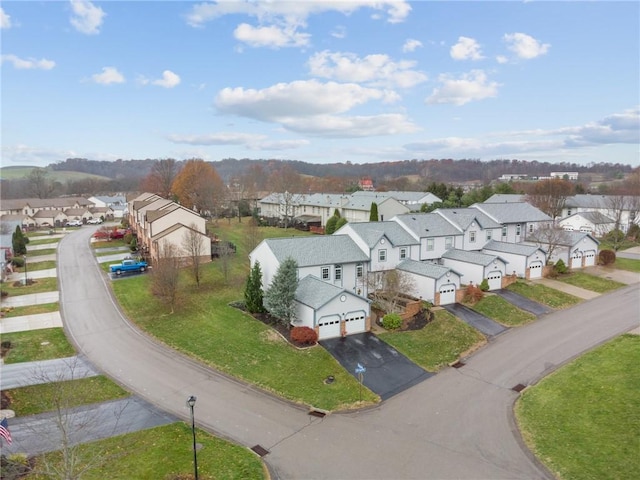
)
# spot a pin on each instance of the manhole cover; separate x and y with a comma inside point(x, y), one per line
point(260, 450)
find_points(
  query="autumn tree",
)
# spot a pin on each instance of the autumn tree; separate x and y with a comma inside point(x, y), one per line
point(193, 243)
point(279, 299)
point(199, 187)
point(165, 275)
point(160, 178)
point(550, 196)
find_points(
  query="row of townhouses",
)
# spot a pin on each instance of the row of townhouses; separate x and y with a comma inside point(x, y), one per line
point(438, 251)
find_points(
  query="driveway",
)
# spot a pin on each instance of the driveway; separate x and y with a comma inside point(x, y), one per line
point(523, 302)
point(388, 372)
point(484, 324)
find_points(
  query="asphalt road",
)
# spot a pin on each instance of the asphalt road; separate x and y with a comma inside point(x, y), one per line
point(457, 424)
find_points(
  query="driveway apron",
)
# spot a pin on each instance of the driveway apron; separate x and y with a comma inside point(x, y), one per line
point(523, 302)
point(487, 326)
point(388, 372)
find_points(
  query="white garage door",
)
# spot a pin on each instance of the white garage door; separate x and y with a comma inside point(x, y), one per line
point(447, 294)
point(495, 280)
point(355, 323)
point(589, 258)
point(576, 260)
point(329, 327)
point(535, 270)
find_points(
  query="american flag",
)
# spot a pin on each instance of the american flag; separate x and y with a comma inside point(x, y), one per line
point(4, 431)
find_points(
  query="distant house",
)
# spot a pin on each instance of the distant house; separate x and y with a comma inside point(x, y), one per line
point(564, 175)
point(366, 184)
point(575, 249)
point(624, 208)
point(117, 204)
point(412, 200)
point(518, 219)
point(594, 223)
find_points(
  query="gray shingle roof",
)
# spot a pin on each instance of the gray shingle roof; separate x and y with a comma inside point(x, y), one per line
point(464, 217)
point(505, 198)
point(315, 293)
point(425, 225)
point(515, 248)
point(320, 250)
point(514, 212)
point(477, 258)
point(371, 232)
point(425, 269)
point(560, 237)
point(596, 218)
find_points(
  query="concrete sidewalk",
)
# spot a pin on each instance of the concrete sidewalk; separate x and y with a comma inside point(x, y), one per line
point(31, 299)
point(25, 323)
point(23, 374)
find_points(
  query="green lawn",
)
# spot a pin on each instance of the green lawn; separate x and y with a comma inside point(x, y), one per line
point(590, 282)
point(30, 309)
point(497, 308)
point(40, 253)
point(545, 295)
point(35, 266)
point(440, 343)
point(627, 264)
point(166, 450)
point(39, 285)
point(42, 241)
point(583, 421)
point(44, 344)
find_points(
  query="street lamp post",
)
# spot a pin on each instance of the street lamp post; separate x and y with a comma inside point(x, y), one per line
point(191, 401)
point(24, 257)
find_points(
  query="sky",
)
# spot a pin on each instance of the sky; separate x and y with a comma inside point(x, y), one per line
point(320, 81)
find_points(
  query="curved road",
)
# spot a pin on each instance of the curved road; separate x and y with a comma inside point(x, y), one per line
point(457, 424)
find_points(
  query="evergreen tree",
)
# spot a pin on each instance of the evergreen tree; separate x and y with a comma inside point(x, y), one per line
point(341, 223)
point(19, 242)
point(279, 297)
point(373, 216)
point(330, 227)
point(336, 213)
point(253, 297)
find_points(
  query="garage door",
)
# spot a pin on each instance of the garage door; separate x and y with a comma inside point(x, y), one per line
point(576, 260)
point(355, 323)
point(447, 294)
point(535, 270)
point(329, 327)
point(589, 258)
point(495, 280)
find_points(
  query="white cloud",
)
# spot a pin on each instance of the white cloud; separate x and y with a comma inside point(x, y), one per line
point(351, 127)
point(469, 87)
point(373, 69)
point(466, 49)
point(501, 59)
point(617, 128)
point(21, 154)
point(248, 140)
point(410, 45)
point(524, 46)
point(271, 36)
point(87, 17)
point(168, 80)
point(29, 63)
point(108, 76)
point(339, 32)
point(5, 19)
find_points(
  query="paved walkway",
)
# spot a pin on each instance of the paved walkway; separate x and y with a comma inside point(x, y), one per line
point(113, 258)
point(25, 323)
point(23, 374)
point(31, 299)
point(622, 276)
point(566, 288)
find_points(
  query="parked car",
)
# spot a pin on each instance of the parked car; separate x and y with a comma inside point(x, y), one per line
point(74, 223)
point(95, 221)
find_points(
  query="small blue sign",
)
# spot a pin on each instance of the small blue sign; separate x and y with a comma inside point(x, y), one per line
point(360, 369)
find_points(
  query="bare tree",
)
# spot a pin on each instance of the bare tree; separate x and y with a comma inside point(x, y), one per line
point(548, 237)
point(161, 177)
point(193, 243)
point(40, 185)
point(550, 196)
point(389, 287)
point(165, 275)
point(252, 235)
point(286, 184)
point(225, 250)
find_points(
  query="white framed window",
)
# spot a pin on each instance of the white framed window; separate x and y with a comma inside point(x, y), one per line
point(472, 236)
point(489, 234)
point(518, 229)
point(382, 255)
point(403, 253)
point(531, 228)
point(359, 270)
point(448, 242)
point(430, 244)
point(324, 273)
point(504, 232)
point(337, 272)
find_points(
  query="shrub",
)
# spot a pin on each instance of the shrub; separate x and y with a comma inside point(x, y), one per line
point(607, 257)
point(634, 232)
point(484, 285)
point(18, 262)
point(392, 321)
point(304, 335)
point(560, 267)
point(472, 294)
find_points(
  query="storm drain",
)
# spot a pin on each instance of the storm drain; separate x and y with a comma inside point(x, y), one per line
point(458, 364)
point(317, 413)
point(519, 387)
point(260, 450)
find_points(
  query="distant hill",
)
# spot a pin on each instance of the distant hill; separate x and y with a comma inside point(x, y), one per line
point(62, 176)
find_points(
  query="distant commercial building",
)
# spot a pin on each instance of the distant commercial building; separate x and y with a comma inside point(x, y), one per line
point(565, 175)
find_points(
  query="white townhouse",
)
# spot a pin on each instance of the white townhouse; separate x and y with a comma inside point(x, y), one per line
point(437, 284)
point(575, 249)
point(476, 266)
point(476, 227)
point(413, 200)
point(624, 207)
point(525, 261)
point(594, 223)
point(117, 204)
point(518, 219)
point(385, 243)
point(435, 234)
point(330, 310)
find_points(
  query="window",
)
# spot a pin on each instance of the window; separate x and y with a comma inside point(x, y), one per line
point(429, 244)
point(324, 273)
point(337, 271)
point(489, 234)
point(531, 228)
point(568, 212)
point(504, 232)
point(472, 236)
point(448, 242)
point(403, 253)
point(382, 255)
point(359, 270)
point(518, 230)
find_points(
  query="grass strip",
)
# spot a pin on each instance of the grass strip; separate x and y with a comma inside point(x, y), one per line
point(45, 265)
point(35, 345)
point(10, 312)
point(583, 420)
point(439, 343)
point(43, 241)
point(498, 309)
point(36, 285)
point(590, 282)
point(543, 294)
point(627, 264)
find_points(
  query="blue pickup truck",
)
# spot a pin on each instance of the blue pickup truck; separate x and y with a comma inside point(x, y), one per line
point(128, 265)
